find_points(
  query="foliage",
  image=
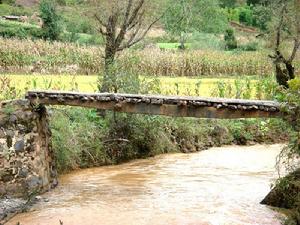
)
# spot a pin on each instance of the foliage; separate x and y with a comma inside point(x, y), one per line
point(120, 137)
point(290, 99)
point(8, 91)
point(190, 16)
point(251, 15)
point(7, 9)
point(206, 41)
point(250, 46)
point(9, 29)
point(51, 26)
point(262, 17)
point(246, 15)
point(230, 40)
point(228, 3)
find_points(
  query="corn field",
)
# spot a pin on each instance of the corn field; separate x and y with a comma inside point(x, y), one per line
point(41, 57)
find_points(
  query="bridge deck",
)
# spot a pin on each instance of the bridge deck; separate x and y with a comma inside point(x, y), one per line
point(161, 105)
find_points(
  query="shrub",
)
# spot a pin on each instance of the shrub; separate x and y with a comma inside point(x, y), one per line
point(246, 15)
point(262, 16)
point(10, 29)
point(251, 46)
point(294, 84)
point(122, 137)
point(230, 40)
point(6, 9)
point(51, 27)
point(206, 41)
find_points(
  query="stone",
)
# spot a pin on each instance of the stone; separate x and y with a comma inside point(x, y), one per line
point(23, 173)
point(6, 176)
point(33, 183)
point(10, 133)
point(13, 119)
point(19, 146)
point(2, 134)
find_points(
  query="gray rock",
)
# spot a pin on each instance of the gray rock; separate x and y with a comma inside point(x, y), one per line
point(23, 172)
point(33, 183)
point(19, 146)
point(13, 119)
point(10, 133)
point(2, 134)
point(9, 206)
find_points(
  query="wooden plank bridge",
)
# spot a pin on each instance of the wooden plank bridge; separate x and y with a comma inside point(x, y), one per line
point(198, 107)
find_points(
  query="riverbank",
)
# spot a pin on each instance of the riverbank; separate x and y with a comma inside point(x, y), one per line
point(286, 196)
point(119, 137)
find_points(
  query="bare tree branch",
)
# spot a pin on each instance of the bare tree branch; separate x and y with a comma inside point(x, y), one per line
point(133, 41)
point(297, 36)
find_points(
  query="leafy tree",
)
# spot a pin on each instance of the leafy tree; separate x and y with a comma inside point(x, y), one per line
point(187, 16)
point(262, 17)
point(48, 13)
point(246, 15)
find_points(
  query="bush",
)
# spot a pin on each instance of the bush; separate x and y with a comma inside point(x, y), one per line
point(246, 15)
point(294, 84)
point(262, 16)
point(251, 46)
point(122, 137)
point(10, 29)
point(6, 9)
point(51, 27)
point(206, 41)
point(230, 40)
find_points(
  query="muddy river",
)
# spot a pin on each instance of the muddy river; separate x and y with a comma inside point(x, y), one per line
point(215, 187)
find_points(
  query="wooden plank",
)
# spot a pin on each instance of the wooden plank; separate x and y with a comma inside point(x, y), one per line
point(160, 105)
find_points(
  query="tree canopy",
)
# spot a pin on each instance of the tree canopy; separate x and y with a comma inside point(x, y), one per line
point(194, 15)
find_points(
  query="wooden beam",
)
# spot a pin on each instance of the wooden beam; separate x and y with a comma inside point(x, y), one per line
point(161, 105)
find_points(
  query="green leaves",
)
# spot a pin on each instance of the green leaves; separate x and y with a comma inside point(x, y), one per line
point(191, 15)
point(51, 27)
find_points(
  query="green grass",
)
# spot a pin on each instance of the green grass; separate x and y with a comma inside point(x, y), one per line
point(21, 30)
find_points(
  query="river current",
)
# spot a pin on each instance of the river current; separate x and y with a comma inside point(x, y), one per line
point(221, 186)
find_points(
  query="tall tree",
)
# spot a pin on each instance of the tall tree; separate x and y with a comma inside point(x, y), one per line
point(287, 32)
point(122, 24)
point(187, 16)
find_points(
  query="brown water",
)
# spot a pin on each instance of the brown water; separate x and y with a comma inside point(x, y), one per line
point(217, 187)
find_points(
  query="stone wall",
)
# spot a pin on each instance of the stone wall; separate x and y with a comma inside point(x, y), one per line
point(26, 156)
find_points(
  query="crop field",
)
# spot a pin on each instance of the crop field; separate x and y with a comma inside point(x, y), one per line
point(17, 85)
point(43, 57)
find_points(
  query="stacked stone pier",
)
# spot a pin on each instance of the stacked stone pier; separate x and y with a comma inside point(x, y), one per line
point(198, 107)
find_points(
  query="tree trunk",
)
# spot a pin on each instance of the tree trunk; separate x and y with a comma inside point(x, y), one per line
point(182, 42)
point(109, 61)
point(284, 75)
